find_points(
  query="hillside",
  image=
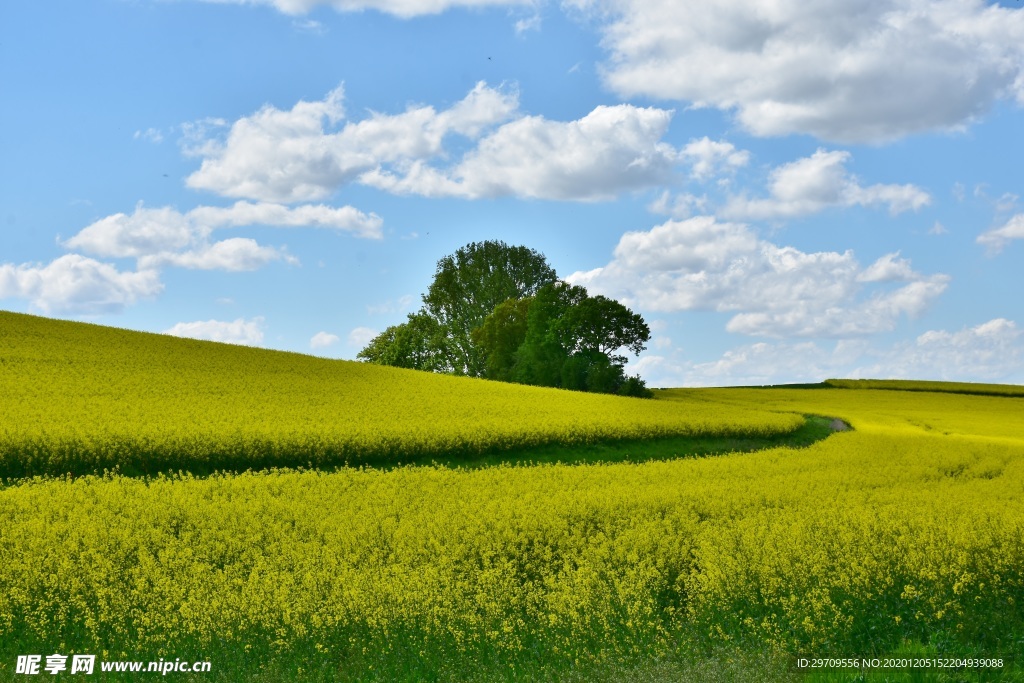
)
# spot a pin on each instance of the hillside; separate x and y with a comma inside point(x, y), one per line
point(83, 398)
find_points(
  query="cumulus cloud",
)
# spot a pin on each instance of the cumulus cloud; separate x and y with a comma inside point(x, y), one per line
point(708, 157)
point(889, 268)
point(343, 218)
point(610, 150)
point(848, 71)
point(306, 153)
point(818, 182)
point(296, 155)
point(775, 291)
point(997, 238)
point(400, 8)
point(74, 284)
point(321, 340)
point(990, 352)
point(747, 365)
point(361, 336)
point(147, 231)
point(235, 254)
point(239, 331)
point(165, 236)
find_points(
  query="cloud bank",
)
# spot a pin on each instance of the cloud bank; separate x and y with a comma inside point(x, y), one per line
point(773, 291)
point(818, 182)
point(307, 153)
point(74, 284)
point(841, 70)
point(165, 236)
point(992, 351)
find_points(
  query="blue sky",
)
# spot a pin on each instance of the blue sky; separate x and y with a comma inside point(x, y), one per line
point(785, 192)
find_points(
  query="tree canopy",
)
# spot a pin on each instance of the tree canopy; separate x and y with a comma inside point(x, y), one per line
point(563, 338)
point(500, 312)
point(470, 283)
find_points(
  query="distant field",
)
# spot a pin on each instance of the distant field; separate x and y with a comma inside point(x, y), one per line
point(918, 385)
point(983, 417)
point(83, 398)
point(902, 536)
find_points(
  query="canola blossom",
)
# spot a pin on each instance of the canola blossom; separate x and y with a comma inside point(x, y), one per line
point(84, 398)
point(906, 529)
point(859, 541)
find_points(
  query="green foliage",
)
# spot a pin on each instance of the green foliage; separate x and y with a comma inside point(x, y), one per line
point(499, 312)
point(417, 344)
point(500, 336)
point(562, 337)
point(597, 324)
point(469, 284)
point(635, 387)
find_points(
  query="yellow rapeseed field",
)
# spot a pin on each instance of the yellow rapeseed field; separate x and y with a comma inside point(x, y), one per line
point(849, 545)
point(909, 528)
point(923, 385)
point(81, 398)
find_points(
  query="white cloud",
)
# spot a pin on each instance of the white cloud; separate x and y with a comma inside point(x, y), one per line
point(74, 284)
point(150, 134)
point(997, 238)
point(849, 71)
point(322, 340)
point(748, 365)
point(289, 156)
point(531, 23)
point(710, 158)
point(235, 254)
point(610, 150)
point(399, 8)
point(344, 218)
point(165, 236)
point(989, 352)
point(679, 206)
point(888, 268)
point(361, 336)
point(147, 231)
point(196, 136)
point(240, 331)
point(701, 264)
point(820, 181)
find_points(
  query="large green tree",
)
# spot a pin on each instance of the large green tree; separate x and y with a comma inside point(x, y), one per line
point(470, 284)
point(562, 337)
point(501, 312)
